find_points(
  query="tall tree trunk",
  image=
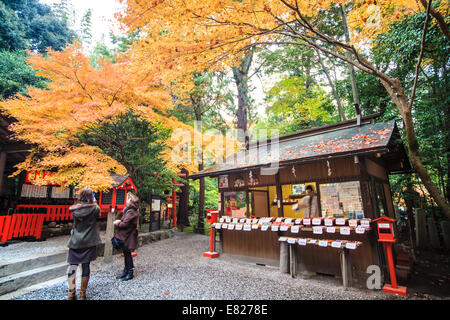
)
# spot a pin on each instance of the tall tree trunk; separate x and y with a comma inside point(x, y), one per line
point(392, 86)
point(351, 70)
point(399, 97)
point(439, 18)
point(447, 139)
point(409, 212)
point(241, 79)
point(446, 126)
point(183, 218)
point(308, 79)
point(201, 198)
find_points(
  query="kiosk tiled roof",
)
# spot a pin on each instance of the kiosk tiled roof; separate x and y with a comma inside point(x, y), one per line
point(313, 145)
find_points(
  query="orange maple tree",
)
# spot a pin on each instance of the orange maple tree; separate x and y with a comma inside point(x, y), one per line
point(196, 35)
point(80, 97)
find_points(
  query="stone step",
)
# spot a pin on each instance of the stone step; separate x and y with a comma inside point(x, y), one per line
point(11, 267)
point(28, 278)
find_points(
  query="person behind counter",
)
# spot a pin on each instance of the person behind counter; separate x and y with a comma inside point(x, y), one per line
point(309, 204)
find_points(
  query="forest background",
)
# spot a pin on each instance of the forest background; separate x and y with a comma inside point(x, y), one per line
point(284, 87)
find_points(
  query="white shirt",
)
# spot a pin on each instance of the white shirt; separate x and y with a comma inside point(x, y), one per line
point(313, 210)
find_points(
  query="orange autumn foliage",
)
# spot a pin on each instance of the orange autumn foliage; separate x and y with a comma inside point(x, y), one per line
point(182, 37)
point(79, 97)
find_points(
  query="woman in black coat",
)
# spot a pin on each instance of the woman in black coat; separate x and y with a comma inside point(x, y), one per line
point(126, 230)
point(83, 241)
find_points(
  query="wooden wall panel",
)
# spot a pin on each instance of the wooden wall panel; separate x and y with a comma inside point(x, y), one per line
point(308, 172)
point(255, 243)
point(320, 170)
point(266, 179)
point(367, 200)
point(376, 170)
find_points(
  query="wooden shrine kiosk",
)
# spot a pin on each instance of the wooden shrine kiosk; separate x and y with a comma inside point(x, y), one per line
point(347, 164)
point(116, 197)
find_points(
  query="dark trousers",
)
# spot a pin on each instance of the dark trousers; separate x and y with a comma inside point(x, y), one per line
point(128, 260)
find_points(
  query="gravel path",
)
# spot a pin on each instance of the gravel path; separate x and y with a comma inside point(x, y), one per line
point(175, 268)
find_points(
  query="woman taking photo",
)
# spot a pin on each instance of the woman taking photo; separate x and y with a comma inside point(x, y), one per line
point(126, 230)
point(83, 241)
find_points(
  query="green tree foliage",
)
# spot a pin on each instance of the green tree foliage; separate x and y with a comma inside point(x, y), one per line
point(41, 27)
point(293, 106)
point(26, 25)
point(395, 52)
point(138, 145)
point(85, 27)
point(208, 101)
point(297, 101)
point(12, 35)
point(211, 198)
point(101, 51)
point(15, 74)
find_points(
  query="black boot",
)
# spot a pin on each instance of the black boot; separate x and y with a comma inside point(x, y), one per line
point(129, 275)
point(123, 275)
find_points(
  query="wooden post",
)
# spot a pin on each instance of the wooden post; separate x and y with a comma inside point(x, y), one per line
point(346, 268)
point(107, 253)
point(184, 203)
point(421, 228)
point(174, 205)
point(247, 203)
point(150, 212)
point(292, 261)
point(284, 257)
point(433, 240)
point(445, 226)
point(410, 215)
point(279, 195)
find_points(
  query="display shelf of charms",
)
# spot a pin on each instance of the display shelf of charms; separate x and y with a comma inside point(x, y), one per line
point(321, 225)
point(338, 244)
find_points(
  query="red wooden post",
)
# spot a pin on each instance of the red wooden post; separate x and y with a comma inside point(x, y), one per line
point(211, 217)
point(174, 196)
point(385, 227)
point(12, 226)
point(39, 226)
point(391, 264)
point(211, 253)
point(4, 227)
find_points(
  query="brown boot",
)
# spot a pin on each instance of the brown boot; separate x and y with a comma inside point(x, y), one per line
point(84, 285)
point(72, 288)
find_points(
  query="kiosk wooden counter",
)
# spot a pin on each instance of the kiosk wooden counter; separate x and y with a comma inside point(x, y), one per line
point(347, 164)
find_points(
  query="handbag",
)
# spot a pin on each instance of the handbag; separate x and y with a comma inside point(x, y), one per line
point(116, 243)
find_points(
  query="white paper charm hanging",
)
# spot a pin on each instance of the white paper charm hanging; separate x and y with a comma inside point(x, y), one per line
point(329, 169)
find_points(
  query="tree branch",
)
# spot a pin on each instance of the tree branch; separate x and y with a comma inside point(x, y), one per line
point(419, 61)
point(439, 18)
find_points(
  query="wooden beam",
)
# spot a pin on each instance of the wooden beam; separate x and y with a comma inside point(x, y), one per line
point(279, 195)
